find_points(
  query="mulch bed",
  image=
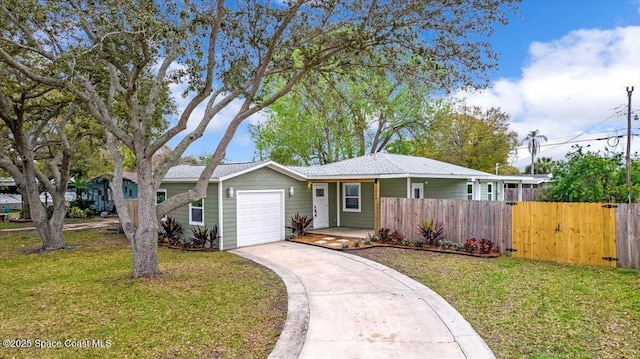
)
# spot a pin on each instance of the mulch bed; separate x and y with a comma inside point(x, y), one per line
point(336, 244)
point(188, 249)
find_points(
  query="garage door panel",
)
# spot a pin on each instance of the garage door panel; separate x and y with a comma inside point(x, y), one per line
point(260, 217)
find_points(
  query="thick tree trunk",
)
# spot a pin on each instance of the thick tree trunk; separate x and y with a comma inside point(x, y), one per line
point(144, 243)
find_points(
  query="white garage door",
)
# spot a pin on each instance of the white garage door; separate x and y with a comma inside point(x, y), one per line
point(260, 217)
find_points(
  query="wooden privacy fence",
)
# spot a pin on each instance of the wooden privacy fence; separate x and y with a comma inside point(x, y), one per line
point(580, 233)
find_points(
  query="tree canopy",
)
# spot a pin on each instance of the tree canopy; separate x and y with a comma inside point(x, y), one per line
point(466, 136)
point(587, 176)
point(332, 117)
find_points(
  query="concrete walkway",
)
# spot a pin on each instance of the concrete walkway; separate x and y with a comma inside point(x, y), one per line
point(345, 306)
point(95, 224)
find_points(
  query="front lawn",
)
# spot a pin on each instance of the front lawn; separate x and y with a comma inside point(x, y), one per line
point(213, 305)
point(531, 309)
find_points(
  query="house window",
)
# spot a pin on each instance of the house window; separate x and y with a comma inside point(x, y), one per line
point(161, 195)
point(417, 190)
point(351, 197)
point(469, 190)
point(489, 191)
point(196, 212)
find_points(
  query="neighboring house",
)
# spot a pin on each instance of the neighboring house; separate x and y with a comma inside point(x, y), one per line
point(528, 189)
point(11, 200)
point(251, 203)
point(98, 191)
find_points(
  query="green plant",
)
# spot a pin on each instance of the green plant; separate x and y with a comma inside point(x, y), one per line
point(172, 231)
point(406, 242)
point(356, 242)
point(382, 234)
point(212, 237)
point(470, 245)
point(76, 212)
point(345, 245)
point(299, 225)
point(485, 246)
point(431, 231)
point(368, 239)
point(418, 242)
point(82, 203)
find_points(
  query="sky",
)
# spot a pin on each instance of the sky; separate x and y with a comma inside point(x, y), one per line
point(564, 66)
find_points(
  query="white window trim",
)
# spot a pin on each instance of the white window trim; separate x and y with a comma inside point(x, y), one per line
point(490, 195)
point(190, 214)
point(344, 197)
point(466, 190)
point(419, 186)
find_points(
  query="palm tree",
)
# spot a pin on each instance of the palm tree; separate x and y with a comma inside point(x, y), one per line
point(533, 144)
point(79, 184)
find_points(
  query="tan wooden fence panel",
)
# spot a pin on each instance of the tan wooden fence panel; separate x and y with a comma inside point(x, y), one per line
point(628, 235)
point(132, 209)
point(528, 194)
point(579, 233)
point(462, 219)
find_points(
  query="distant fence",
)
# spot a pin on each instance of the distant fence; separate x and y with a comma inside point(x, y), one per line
point(528, 194)
point(581, 233)
point(132, 209)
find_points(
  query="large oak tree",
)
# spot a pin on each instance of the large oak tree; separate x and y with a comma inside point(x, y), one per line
point(224, 51)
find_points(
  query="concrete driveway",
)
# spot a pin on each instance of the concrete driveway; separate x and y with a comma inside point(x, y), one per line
point(345, 306)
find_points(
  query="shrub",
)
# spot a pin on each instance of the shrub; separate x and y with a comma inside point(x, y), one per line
point(81, 203)
point(418, 242)
point(299, 225)
point(345, 245)
point(431, 231)
point(203, 237)
point(356, 242)
point(382, 234)
point(76, 212)
point(485, 246)
point(396, 237)
point(368, 239)
point(199, 236)
point(171, 231)
point(470, 245)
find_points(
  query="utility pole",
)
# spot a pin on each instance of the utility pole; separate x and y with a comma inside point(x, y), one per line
point(628, 157)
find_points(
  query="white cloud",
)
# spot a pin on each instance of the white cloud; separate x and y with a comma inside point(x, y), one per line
point(569, 86)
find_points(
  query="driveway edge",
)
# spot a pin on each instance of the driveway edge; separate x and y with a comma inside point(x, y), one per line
point(469, 341)
point(294, 332)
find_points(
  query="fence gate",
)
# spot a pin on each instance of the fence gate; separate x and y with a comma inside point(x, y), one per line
point(579, 233)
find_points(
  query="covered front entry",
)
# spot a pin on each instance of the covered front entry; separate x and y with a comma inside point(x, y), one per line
point(260, 217)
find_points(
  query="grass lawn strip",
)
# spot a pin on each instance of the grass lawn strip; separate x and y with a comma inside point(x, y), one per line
point(213, 305)
point(532, 309)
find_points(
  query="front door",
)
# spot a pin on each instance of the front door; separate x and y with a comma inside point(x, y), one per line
point(320, 205)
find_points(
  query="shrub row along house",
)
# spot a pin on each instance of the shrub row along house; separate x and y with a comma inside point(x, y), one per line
point(250, 202)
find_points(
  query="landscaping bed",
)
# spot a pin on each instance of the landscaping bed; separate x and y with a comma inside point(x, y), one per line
point(354, 244)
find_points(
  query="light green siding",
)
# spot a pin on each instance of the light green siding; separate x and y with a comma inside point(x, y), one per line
point(263, 179)
point(182, 213)
point(364, 218)
point(393, 187)
point(333, 205)
point(444, 188)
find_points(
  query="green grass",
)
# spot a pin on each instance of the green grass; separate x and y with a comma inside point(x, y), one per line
point(531, 309)
point(213, 305)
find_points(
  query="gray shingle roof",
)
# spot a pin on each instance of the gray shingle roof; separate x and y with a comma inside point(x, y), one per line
point(386, 164)
point(192, 172)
